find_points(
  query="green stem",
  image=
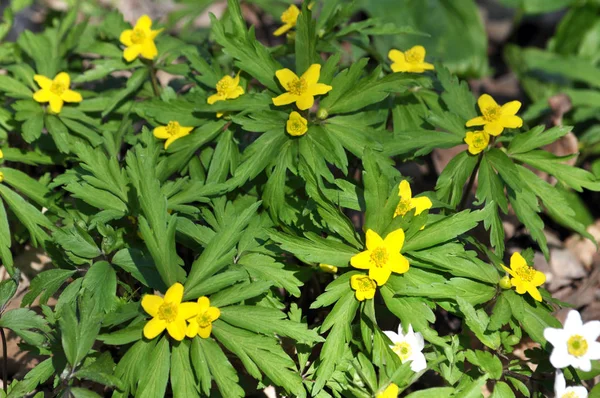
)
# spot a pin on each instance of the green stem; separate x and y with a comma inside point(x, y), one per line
point(155, 86)
point(5, 361)
point(466, 193)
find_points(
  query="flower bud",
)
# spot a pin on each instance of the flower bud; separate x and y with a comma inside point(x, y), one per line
point(505, 283)
point(322, 114)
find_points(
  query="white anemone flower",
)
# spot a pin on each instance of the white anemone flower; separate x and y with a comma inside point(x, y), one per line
point(408, 347)
point(562, 391)
point(575, 344)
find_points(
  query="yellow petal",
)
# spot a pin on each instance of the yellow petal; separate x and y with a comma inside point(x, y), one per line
point(71, 96)
point(404, 190)
point(380, 275)
point(204, 332)
point(192, 329)
point(396, 56)
point(214, 98)
point(42, 95)
point(149, 50)
point(171, 140)
point(154, 327)
point(285, 77)
point(56, 103)
point(534, 293)
point(63, 79)
point(312, 74)
point(284, 99)
point(305, 102)
point(186, 311)
point(538, 279)
point(177, 329)
point(510, 271)
point(476, 121)
point(511, 122)
point(161, 132)
point(185, 130)
point(394, 241)
point(520, 286)
point(125, 37)
point(236, 92)
point(354, 284)
point(132, 52)
point(369, 294)
point(144, 23)
point(398, 263)
point(426, 66)
point(511, 108)
point(361, 260)
point(486, 101)
point(421, 204)
point(319, 89)
point(373, 240)
point(203, 304)
point(401, 66)
point(43, 82)
point(517, 261)
point(419, 51)
point(154, 33)
point(360, 296)
point(150, 304)
point(282, 29)
point(493, 128)
point(213, 313)
point(175, 294)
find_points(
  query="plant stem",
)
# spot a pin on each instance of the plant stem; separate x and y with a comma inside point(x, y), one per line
point(466, 193)
point(153, 79)
point(4, 361)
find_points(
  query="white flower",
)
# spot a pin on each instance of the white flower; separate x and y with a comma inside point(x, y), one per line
point(575, 344)
point(408, 347)
point(562, 391)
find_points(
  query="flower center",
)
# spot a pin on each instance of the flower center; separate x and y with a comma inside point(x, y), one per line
point(138, 36)
point(402, 208)
point(289, 17)
point(491, 113)
point(570, 394)
point(173, 128)
point(225, 85)
point(58, 88)
point(413, 57)
point(203, 320)
point(479, 141)
point(365, 284)
point(380, 256)
point(167, 312)
point(403, 350)
point(525, 273)
point(577, 345)
point(298, 86)
point(297, 126)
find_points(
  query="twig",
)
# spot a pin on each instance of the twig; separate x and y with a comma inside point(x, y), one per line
point(463, 201)
point(4, 361)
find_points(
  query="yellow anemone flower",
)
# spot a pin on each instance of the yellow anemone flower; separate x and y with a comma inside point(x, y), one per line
point(407, 202)
point(495, 117)
point(201, 324)
point(412, 60)
point(168, 312)
point(289, 18)
point(296, 124)
point(140, 40)
point(391, 391)
point(227, 88)
point(525, 279)
point(301, 90)
point(55, 91)
point(364, 286)
point(382, 257)
point(477, 141)
point(171, 132)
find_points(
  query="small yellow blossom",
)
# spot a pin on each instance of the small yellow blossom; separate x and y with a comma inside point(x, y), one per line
point(477, 141)
point(331, 269)
point(168, 312)
point(201, 324)
point(227, 88)
point(364, 286)
point(296, 124)
point(1, 176)
point(56, 91)
point(171, 132)
point(301, 90)
point(382, 257)
point(390, 392)
point(1, 154)
point(495, 117)
point(289, 18)
point(412, 60)
point(407, 202)
point(525, 279)
point(140, 40)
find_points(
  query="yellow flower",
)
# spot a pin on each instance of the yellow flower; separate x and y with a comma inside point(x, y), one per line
point(477, 141)
point(171, 132)
point(390, 392)
point(364, 286)
point(407, 202)
point(495, 117)
point(331, 269)
point(289, 19)
point(56, 91)
point(525, 278)
point(1, 154)
point(140, 40)
point(1, 176)
point(382, 257)
point(168, 313)
point(296, 124)
point(412, 60)
point(301, 90)
point(227, 88)
point(201, 324)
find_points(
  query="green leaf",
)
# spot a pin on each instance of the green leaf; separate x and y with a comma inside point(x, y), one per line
point(478, 321)
point(21, 321)
point(76, 240)
point(59, 132)
point(305, 41)
point(47, 282)
point(501, 313)
point(14, 88)
point(240, 292)
point(534, 317)
point(100, 282)
point(5, 241)
point(79, 392)
point(100, 371)
point(155, 377)
point(486, 361)
point(134, 364)
point(220, 368)
point(266, 268)
point(415, 143)
point(133, 84)
point(505, 167)
point(456, 95)
point(536, 138)
point(452, 180)
point(502, 390)
point(182, 377)
point(435, 392)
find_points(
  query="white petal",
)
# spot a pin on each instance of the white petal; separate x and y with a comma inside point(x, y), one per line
point(582, 363)
point(419, 342)
point(400, 331)
point(418, 362)
point(392, 336)
point(560, 358)
point(580, 392)
point(559, 383)
point(410, 329)
point(591, 330)
point(593, 351)
point(573, 321)
point(556, 337)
